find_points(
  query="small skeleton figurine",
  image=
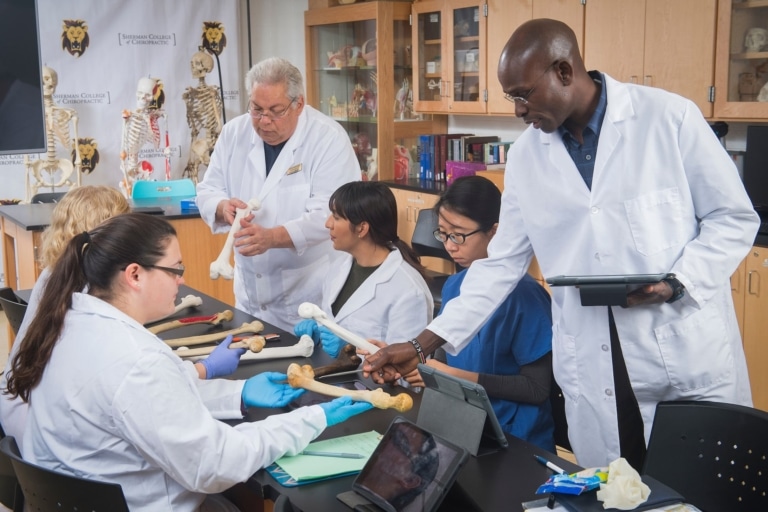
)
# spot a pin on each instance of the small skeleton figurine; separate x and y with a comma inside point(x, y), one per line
point(204, 109)
point(49, 171)
point(141, 126)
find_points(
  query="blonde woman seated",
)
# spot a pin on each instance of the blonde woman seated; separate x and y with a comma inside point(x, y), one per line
point(377, 289)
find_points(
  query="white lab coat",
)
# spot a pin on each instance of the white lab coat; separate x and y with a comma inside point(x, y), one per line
point(13, 411)
point(116, 404)
point(315, 161)
point(665, 197)
point(394, 303)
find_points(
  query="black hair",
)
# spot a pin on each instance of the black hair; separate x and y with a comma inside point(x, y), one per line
point(474, 197)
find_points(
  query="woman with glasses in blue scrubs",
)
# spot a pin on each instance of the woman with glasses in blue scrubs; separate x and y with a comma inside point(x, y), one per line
point(511, 355)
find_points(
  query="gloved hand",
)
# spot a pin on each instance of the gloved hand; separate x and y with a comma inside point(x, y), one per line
point(269, 389)
point(343, 408)
point(332, 344)
point(308, 327)
point(223, 360)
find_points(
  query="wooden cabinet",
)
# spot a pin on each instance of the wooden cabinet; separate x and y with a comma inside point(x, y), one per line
point(359, 72)
point(504, 16)
point(755, 324)
point(655, 42)
point(738, 285)
point(449, 40)
point(741, 64)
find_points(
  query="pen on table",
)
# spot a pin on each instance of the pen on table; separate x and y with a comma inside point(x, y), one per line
point(334, 454)
point(553, 467)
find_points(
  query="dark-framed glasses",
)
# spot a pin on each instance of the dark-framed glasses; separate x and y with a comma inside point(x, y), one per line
point(177, 271)
point(271, 114)
point(523, 100)
point(457, 238)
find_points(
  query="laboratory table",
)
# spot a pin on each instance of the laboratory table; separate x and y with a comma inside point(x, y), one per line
point(498, 481)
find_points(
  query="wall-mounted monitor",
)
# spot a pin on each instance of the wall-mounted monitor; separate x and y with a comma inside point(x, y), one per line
point(22, 115)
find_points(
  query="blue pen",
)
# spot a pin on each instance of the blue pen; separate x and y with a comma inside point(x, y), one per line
point(553, 467)
point(334, 454)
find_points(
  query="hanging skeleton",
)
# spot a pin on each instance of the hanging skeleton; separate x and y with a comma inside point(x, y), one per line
point(142, 126)
point(50, 172)
point(204, 114)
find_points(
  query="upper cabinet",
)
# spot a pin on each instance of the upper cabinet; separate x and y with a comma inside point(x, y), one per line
point(359, 72)
point(655, 42)
point(449, 38)
point(504, 16)
point(742, 60)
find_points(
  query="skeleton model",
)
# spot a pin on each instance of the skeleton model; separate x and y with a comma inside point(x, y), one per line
point(49, 171)
point(204, 109)
point(141, 126)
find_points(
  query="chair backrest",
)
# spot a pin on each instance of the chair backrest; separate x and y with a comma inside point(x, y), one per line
point(423, 240)
point(14, 308)
point(714, 454)
point(10, 492)
point(47, 197)
point(145, 189)
point(46, 490)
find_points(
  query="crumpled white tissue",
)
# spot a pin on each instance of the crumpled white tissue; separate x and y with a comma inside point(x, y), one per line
point(624, 489)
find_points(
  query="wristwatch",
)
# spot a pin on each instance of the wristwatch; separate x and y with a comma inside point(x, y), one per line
point(678, 289)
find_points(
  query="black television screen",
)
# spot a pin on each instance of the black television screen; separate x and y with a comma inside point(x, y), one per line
point(756, 167)
point(22, 116)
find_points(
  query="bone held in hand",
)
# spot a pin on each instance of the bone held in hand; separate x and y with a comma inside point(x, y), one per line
point(216, 319)
point(346, 360)
point(309, 310)
point(253, 344)
point(254, 326)
point(303, 377)
point(220, 266)
point(303, 348)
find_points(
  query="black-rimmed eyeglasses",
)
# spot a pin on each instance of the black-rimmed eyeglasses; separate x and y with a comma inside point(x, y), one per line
point(177, 271)
point(257, 114)
point(523, 100)
point(457, 238)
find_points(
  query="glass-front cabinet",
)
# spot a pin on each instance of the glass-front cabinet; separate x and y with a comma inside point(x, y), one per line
point(450, 56)
point(359, 72)
point(742, 60)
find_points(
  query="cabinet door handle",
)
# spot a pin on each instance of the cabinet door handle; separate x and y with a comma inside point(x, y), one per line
point(648, 80)
point(633, 79)
point(757, 283)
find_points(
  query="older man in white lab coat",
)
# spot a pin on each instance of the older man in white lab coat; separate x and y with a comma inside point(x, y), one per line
point(611, 178)
point(291, 158)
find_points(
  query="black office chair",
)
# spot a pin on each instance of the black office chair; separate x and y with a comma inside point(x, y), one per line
point(283, 504)
point(47, 197)
point(50, 491)
point(10, 491)
point(14, 308)
point(425, 244)
point(714, 454)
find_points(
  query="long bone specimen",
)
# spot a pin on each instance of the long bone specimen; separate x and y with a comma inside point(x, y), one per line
point(345, 361)
point(188, 302)
point(220, 266)
point(253, 344)
point(309, 310)
point(303, 377)
point(303, 348)
point(254, 326)
point(216, 319)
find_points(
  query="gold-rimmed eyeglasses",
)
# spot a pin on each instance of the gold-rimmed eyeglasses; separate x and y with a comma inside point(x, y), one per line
point(457, 238)
point(523, 100)
point(258, 114)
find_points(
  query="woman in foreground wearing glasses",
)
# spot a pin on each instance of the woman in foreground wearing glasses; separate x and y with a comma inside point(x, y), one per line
point(511, 355)
point(81, 209)
point(376, 288)
point(109, 400)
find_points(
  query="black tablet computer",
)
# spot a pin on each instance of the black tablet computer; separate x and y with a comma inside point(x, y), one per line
point(628, 279)
point(460, 411)
point(411, 470)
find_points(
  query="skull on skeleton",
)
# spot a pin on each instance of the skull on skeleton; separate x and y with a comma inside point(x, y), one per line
point(201, 64)
point(50, 81)
point(756, 39)
point(144, 92)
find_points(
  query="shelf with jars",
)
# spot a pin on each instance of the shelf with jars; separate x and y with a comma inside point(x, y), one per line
point(742, 60)
point(359, 72)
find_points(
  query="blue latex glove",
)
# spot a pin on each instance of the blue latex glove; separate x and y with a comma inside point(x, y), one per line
point(308, 327)
point(341, 409)
point(269, 389)
point(331, 343)
point(223, 360)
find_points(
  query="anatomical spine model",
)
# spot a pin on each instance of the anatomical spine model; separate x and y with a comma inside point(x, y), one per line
point(60, 129)
point(142, 126)
point(204, 115)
